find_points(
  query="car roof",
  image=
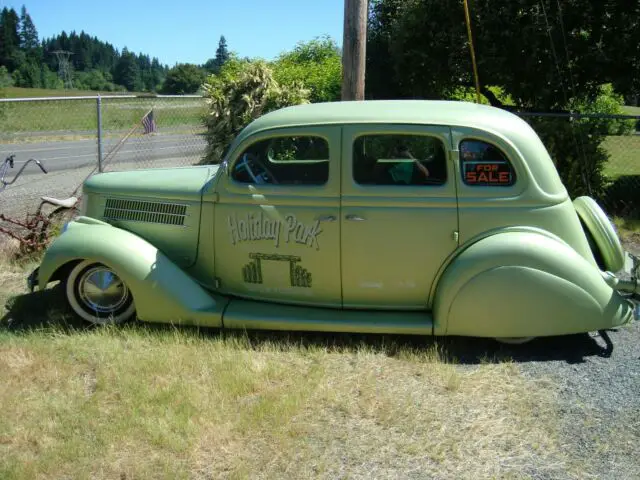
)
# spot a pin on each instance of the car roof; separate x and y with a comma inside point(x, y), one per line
point(449, 113)
point(433, 112)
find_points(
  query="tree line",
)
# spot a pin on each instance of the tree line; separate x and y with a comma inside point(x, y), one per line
point(31, 62)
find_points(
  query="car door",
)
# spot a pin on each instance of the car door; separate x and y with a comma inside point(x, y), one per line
point(399, 213)
point(277, 234)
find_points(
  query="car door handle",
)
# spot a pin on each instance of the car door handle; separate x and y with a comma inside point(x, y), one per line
point(326, 218)
point(355, 218)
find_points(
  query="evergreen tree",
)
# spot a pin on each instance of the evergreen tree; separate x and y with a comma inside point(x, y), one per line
point(29, 62)
point(28, 33)
point(214, 65)
point(127, 72)
point(222, 53)
point(9, 39)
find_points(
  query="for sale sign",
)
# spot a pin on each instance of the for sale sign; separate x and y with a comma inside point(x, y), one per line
point(487, 173)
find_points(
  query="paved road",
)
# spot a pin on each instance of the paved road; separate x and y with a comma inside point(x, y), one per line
point(69, 162)
point(69, 155)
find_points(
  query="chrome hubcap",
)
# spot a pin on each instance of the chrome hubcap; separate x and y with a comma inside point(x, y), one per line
point(102, 291)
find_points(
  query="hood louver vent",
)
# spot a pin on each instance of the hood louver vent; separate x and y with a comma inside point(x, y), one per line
point(149, 212)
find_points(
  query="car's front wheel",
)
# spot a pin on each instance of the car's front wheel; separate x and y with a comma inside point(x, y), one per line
point(98, 295)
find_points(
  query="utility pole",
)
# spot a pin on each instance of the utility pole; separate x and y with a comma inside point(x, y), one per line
point(354, 49)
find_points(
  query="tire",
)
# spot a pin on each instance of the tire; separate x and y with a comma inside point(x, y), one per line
point(514, 340)
point(108, 304)
point(601, 234)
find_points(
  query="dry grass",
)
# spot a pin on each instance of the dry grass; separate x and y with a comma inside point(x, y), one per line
point(172, 404)
point(145, 402)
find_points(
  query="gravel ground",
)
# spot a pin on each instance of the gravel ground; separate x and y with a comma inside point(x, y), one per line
point(598, 393)
point(599, 398)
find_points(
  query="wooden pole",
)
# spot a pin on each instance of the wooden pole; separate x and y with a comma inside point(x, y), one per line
point(354, 49)
point(473, 53)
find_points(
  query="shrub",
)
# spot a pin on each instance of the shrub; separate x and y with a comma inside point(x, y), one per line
point(316, 64)
point(243, 91)
point(575, 143)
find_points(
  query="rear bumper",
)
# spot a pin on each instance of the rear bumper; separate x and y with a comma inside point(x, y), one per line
point(630, 282)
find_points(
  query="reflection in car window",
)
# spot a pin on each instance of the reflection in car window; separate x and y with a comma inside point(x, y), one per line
point(300, 160)
point(399, 159)
point(483, 164)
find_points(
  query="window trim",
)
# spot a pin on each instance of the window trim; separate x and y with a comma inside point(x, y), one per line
point(266, 137)
point(399, 133)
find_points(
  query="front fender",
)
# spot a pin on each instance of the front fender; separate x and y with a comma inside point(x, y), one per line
point(162, 292)
point(521, 284)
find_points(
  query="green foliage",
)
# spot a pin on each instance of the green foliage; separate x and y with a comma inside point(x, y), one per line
point(541, 53)
point(31, 62)
point(575, 144)
point(184, 78)
point(5, 77)
point(316, 64)
point(544, 56)
point(9, 38)
point(28, 34)
point(214, 65)
point(94, 80)
point(127, 71)
point(468, 94)
point(243, 91)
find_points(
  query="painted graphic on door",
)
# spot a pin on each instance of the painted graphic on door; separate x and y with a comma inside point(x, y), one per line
point(298, 276)
point(254, 227)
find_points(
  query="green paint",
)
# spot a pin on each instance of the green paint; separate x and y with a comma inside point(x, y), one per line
point(448, 258)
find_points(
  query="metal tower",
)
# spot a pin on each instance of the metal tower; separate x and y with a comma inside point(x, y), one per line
point(64, 67)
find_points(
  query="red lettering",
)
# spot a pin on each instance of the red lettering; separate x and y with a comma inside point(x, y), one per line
point(504, 177)
point(471, 177)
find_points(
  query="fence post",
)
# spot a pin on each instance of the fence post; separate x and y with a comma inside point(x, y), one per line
point(99, 110)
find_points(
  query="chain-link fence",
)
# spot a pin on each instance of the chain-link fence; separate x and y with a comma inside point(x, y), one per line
point(75, 137)
point(596, 155)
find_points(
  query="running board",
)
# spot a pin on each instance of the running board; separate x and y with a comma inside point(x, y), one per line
point(251, 315)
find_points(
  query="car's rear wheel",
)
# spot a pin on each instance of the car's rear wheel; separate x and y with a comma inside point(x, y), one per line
point(514, 340)
point(98, 295)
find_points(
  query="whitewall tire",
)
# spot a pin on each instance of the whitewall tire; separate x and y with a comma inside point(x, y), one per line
point(98, 295)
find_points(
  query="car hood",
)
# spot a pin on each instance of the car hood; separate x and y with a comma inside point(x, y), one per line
point(186, 183)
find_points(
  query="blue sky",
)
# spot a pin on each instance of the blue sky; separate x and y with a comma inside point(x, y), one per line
point(189, 30)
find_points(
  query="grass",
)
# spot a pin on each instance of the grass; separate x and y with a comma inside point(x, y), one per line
point(79, 116)
point(145, 402)
point(624, 155)
point(631, 110)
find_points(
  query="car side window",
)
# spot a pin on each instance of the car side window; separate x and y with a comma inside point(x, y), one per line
point(485, 165)
point(287, 160)
point(399, 159)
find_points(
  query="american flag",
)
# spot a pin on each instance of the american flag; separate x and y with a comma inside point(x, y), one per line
point(148, 122)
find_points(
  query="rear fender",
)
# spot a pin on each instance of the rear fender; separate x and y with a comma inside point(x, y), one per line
point(162, 292)
point(521, 284)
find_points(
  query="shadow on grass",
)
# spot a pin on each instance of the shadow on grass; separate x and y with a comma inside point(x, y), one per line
point(462, 350)
point(46, 310)
point(43, 310)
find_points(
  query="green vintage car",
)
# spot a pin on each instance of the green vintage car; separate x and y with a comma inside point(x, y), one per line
point(410, 217)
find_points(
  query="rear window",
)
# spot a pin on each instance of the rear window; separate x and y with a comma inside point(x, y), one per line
point(485, 165)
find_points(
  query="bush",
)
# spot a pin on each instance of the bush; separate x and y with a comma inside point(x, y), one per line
point(243, 91)
point(575, 144)
point(317, 65)
point(184, 78)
